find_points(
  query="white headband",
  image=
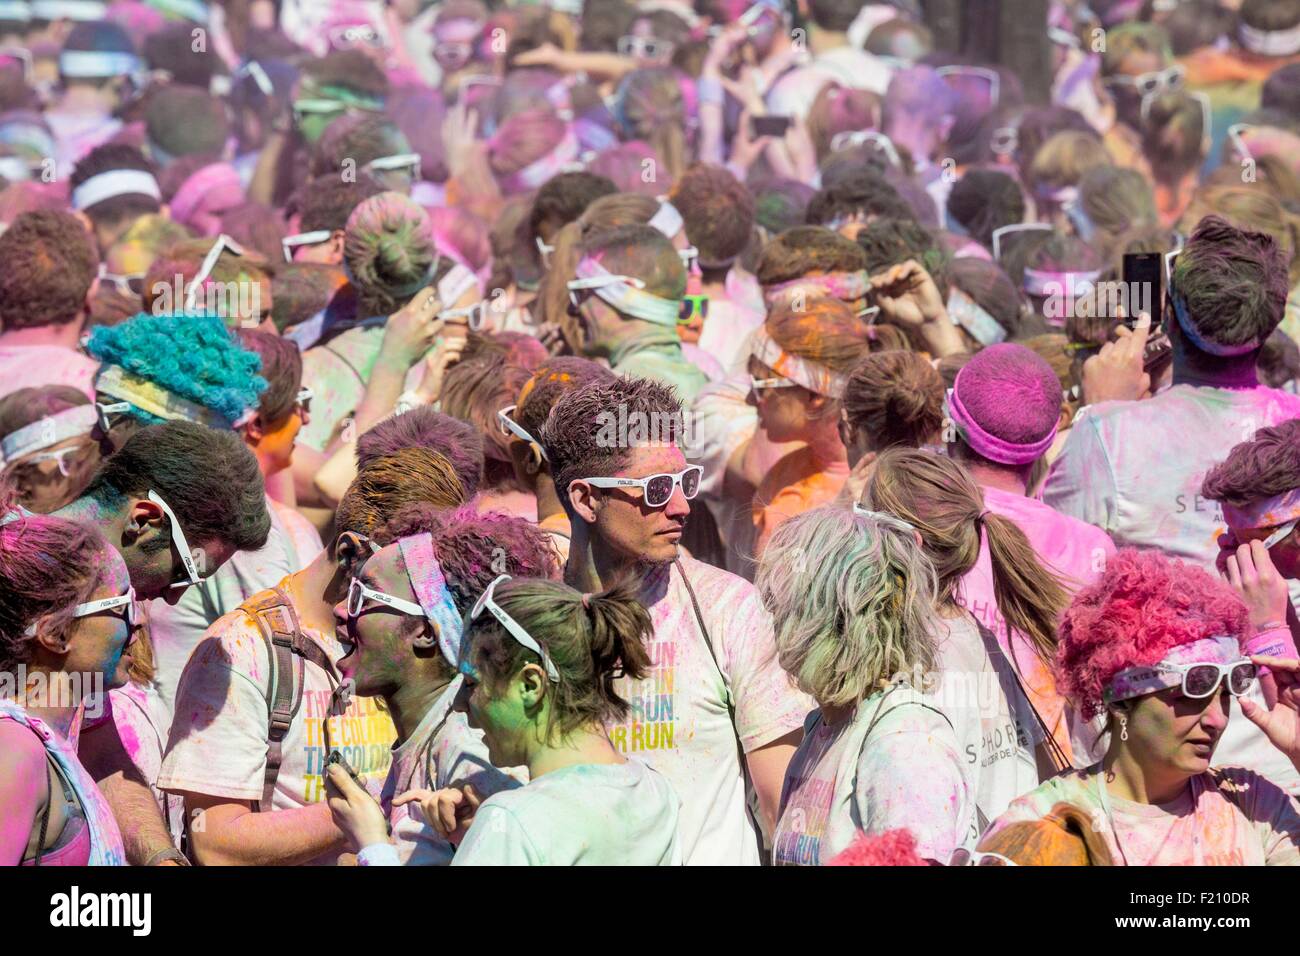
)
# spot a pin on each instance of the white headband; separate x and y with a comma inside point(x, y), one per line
point(455, 284)
point(667, 220)
point(626, 298)
point(115, 182)
point(1270, 42)
point(974, 318)
point(13, 168)
point(50, 430)
point(69, 10)
point(1075, 284)
point(97, 64)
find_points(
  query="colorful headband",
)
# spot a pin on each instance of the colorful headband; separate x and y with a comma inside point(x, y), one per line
point(667, 220)
point(990, 446)
point(540, 170)
point(845, 286)
point(813, 376)
point(972, 317)
point(50, 430)
point(1074, 284)
point(1147, 679)
point(81, 10)
point(117, 382)
point(96, 64)
point(17, 10)
point(201, 184)
point(1270, 42)
point(1266, 513)
point(628, 300)
point(115, 182)
point(430, 586)
point(1202, 343)
point(189, 9)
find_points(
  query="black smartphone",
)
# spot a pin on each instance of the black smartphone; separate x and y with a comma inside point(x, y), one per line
point(768, 125)
point(1143, 278)
point(338, 758)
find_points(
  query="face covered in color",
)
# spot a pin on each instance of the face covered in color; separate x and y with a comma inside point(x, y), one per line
point(98, 644)
point(621, 519)
point(509, 712)
point(1172, 735)
point(381, 641)
point(152, 552)
point(785, 413)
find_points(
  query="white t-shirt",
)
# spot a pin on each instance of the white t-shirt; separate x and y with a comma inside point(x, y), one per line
point(442, 752)
point(587, 815)
point(895, 763)
point(990, 716)
point(678, 721)
point(1134, 469)
point(218, 741)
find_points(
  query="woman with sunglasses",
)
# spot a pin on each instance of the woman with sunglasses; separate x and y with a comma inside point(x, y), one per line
point(67, 620)
point(798, 366)
point(1156, 645)
point(47, 449)
point(538, 662)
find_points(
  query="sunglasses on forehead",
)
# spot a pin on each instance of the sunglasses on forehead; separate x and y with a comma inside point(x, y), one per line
point(513, 627)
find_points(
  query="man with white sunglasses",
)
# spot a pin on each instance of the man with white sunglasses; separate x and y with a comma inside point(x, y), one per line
point(626, 296)
point(717, 712)
point(249, 761)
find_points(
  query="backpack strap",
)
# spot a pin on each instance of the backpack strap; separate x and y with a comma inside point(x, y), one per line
point(278, 624)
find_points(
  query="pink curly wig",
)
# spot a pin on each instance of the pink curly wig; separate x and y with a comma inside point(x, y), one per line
point(892, 848)
point(1144, 605)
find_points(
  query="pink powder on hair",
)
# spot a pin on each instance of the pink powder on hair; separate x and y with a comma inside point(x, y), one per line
point(1011, 393)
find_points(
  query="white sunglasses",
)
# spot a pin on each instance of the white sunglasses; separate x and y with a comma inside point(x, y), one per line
point(656, 490)
point(988, 76)
point(359, 594)
point(127, 600)
point(512, 626)
point(848, 138)
point(1155, 81)
point(544, 249)
point(182, 546)
point(131, 284)
point(102, 411)
point(223, 243)
point(1013, 228)
point(510, 427)
point(475, 315)
point(758, 384)
point(964, 857)
point(600, 282)
point(1280, 535)
point(313, 238)
point(61, 456)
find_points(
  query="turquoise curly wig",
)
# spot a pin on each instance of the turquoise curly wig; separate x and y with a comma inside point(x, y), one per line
point(195, 357)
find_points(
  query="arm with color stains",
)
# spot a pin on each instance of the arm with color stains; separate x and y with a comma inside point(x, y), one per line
point(23, 780)
point(225, 832)
point(144, 831)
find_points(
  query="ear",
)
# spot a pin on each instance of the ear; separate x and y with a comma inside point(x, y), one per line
point(336, 244)
point(532, 686)
point(89, 226)
point(350, 552)
point(583, 501)
point(254, 431)
point(142, 514)
point(427, 638)
point(52, 642)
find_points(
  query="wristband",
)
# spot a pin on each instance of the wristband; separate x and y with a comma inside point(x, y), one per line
point(168, 853)
point(1272, 641)
point(379, 854)
point(709, 91)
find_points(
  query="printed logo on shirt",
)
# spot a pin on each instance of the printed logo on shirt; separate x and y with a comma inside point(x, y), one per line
point(650, 723)
point(799, 837)
point(364, 735)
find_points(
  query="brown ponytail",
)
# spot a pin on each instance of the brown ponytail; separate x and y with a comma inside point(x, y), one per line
point(940, 499)
point(592, 640)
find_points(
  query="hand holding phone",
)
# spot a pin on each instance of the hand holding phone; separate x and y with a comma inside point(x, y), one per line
point(1143, 284)
point(769, 126)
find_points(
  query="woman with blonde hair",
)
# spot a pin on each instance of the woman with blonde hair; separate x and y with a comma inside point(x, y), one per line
point(852, 598)
point(1005, 740)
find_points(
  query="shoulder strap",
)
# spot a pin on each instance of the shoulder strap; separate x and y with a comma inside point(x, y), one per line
point(278, 624)
point(1052, 751)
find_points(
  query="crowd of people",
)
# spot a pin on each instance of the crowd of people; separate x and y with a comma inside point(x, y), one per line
point(648, 432)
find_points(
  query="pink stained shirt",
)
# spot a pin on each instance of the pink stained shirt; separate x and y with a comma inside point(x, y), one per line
point(1075, 551)
point(35, 366)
